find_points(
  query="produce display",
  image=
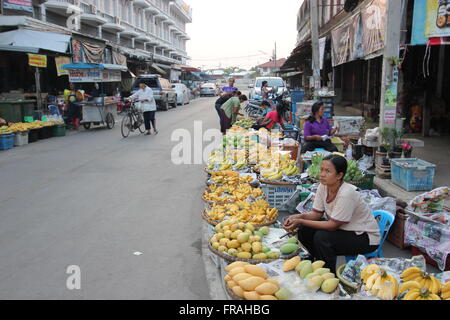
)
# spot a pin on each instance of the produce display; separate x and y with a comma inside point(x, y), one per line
point(251, 282)
point(228, 177)
point(379, 282)
point(316, 277)
point(5, 130)
point(25, 126)
point(353, 174)
point(257, 212)
point(241, 240)
point(231, 193)
point(245, 123)
point(424, 279)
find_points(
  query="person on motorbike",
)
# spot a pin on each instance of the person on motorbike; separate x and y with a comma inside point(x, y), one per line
point(265, 91)
point(147, 105)
point(271, 119)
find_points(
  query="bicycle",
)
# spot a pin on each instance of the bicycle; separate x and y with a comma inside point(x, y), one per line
point(131, 121)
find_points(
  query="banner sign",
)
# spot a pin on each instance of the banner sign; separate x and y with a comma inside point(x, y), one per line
point(37, 60)
point(437, 22)
point(322, 43)
point(60, 61)
point(419, 20)
point(373, 24)
point(346, 41)
point(23, 5)
point(94, 75)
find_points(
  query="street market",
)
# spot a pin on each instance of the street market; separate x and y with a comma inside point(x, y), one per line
point(316, 172)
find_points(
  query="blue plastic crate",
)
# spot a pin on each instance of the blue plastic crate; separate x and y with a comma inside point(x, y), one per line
point(297, 96)
point(413, 174)
point(292, 133)
point(6, 141)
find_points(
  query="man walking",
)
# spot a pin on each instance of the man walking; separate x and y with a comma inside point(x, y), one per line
point(230, 88)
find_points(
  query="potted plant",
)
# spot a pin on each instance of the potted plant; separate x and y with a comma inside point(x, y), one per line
point(406, 150)
point(396, 147)
point(385, 147)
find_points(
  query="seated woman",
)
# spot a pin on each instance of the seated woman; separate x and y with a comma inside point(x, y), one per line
point(274, 117)
point(340, 222)
point(317, 131)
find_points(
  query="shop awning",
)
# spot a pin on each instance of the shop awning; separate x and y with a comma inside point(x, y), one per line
point(35, 40)
point(188, 68)
point(291, 74)
point(102, 66)
point(154, 66)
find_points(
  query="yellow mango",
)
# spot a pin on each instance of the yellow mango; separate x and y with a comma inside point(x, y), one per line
point(238, 291)
point(266, 288)
point(290, 264)
point(235, 264)
point(233, 244)
point(222, 249)
point(252, 295)
point(224, 241)
point(244, 255)
point(251, 283)
point(259, 256)
point(256, 271)
point(227, 278)
point(256, 247)
point(241, 276)
point(227, 234)
point(215, 245)
point(247, 247)
point(236, 271)
point(328, 275)
point(318, 264)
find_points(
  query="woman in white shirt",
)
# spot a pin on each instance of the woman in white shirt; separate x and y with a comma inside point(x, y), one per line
point(340, 222)
point(147, 104)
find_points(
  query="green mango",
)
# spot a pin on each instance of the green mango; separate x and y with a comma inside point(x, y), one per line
point(288, 248)
point(293, 240)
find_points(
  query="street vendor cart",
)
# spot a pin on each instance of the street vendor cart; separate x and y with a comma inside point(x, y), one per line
point(100, 110)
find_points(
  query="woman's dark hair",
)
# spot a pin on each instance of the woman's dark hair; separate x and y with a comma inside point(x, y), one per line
point(243, 97)
point(238, 93)
point(339, 163)
point(315, 108)
point(264, 83)
point(265, 103)
point(280, 111)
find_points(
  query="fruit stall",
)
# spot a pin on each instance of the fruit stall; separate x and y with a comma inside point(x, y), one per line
point(252, 185)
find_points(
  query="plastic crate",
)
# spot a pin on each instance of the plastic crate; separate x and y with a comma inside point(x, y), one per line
point(292, 133)
point(21, 139)
point(366, 183)
point(59, 130)
point(33, 135)
point(413, 174)
point(277, 195)
point(6, 141)
point(45, 133)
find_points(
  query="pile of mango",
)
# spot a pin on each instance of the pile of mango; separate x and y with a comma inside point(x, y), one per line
point(241, 240)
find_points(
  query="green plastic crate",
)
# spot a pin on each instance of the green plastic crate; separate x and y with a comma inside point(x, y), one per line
point(366, 183)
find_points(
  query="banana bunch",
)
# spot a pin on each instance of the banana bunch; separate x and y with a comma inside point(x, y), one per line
point(445, 291)
point(291, 171)
point(217, 212)
point(256, 212)
point(272, 174)
point(225, 166)
point(417, 292)
point(424, 279)
point(241, 164)
point(229, 193)
point(34, 125)
point(245, 123)
point(379, 282)
point(5, 130)
point(18, 127)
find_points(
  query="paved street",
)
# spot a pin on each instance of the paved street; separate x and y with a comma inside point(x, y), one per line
point(92, 199)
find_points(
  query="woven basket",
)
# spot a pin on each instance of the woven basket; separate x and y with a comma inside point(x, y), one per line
point(348, 286)
point(229, 258)
point(231, 293)
point(214, 223)
point(278, 183)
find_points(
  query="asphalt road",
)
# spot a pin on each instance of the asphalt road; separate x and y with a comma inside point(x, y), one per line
point(92, 199)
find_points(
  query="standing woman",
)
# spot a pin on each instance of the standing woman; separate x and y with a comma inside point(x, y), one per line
point(229, 111)
point(340, 222)
point(147, 104)
point(265, 91)
point(317, 131)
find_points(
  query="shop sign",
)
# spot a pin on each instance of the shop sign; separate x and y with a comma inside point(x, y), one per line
point(60, 61)
point(437, 23)
point(389, 116)
point(78, 76)
point(22, 5)
point(373, 19)
point(37, 60)
point(346, 41)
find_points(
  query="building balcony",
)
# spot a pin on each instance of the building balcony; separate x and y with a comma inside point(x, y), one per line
point(183, 8)
point(63, 7)
point(141, 4)
point(92, 19)
point(152, 10)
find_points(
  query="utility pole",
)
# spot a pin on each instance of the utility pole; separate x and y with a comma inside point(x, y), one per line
point(389, 80)
point(275, 56)
point(314, 17)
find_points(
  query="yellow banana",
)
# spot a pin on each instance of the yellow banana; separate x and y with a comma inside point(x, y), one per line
point(371, 280)
point(410, 271)
point(435, 285)
point(434, 296)
point(410, 285)
point(412, 295)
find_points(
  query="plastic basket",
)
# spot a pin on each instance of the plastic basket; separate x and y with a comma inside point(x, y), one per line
point(21, 138)
point(292, 133)
point(6, 141)
point(277, 195)
point(412, 174)
point(366, 183)
point(59, 130)
point(33, 135)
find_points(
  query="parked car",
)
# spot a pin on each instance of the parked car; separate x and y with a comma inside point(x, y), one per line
point(208, 89)
point(183, 93)
point(277, 82)
point(164, 94)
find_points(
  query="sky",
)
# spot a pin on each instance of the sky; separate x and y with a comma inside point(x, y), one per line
point(240, 33)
